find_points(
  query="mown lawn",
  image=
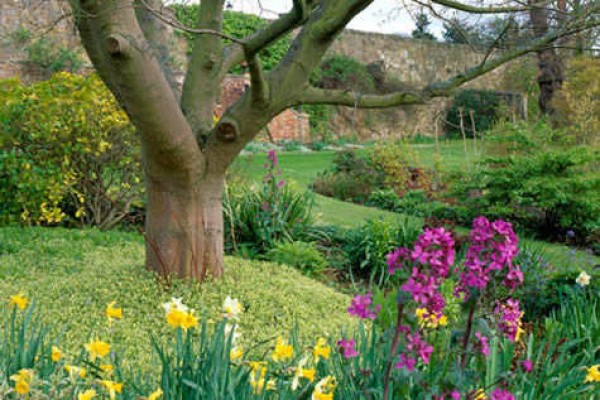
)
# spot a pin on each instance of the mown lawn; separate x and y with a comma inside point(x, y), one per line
point(72, 275)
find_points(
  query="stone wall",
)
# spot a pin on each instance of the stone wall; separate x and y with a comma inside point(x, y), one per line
point(414, 63)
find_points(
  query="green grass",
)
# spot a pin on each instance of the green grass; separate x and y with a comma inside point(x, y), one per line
point(72, 274)
point(304, 167)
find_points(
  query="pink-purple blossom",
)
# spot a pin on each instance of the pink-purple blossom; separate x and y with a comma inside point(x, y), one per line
point(493, 247)
point(527, 365)
point(501, 394)
point(362, 307)
point(347, 347)
point(406, 362)
point(510, 318)
point(482, 344)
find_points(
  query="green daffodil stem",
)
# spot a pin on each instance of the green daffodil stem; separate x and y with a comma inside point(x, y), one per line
point(388, 371)
point(465, 344)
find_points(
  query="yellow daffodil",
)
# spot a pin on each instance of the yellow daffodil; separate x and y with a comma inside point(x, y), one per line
point(301, 372)
point(18, 300)
point(107, 368)
point(232, 308)
point(593, 374)
point(325, 389)
point(56, 354)
point(179, 315)
point(283, 351)
point(583, 279)
point(156, 394)
point(22, 381)
point(427, 320)
point(479, 395)
point(113, 388)
point(75, 371)
point(87, 395)
point(236, 353)
point(321, 349)
point(113, 312)
point(97, 349)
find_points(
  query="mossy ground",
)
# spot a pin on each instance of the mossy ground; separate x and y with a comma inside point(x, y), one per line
point(72, 274)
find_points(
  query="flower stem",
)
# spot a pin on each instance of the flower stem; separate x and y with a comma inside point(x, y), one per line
point(395, 340)
point(463, 361)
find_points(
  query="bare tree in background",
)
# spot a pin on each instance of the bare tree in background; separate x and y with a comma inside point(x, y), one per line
point(185, 156)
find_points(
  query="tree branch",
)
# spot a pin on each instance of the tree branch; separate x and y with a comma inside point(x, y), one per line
point(263, 38)
point(444, 88)
point(201, 86)
point(259, 85)
point(457, 5)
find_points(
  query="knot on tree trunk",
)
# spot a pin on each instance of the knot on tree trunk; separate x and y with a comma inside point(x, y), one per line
point(227, 130)
point(117, 45)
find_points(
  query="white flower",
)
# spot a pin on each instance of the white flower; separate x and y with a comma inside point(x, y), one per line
point(583, 279)
point(231, 308)
point(298, 373)
point(176, 304)
point(326, 385)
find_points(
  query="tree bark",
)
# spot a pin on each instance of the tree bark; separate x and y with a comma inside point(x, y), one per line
point(550, 69)
point(184, 226)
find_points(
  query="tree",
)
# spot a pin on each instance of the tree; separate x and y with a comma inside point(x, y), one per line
point(422, 30)
point(185, 155)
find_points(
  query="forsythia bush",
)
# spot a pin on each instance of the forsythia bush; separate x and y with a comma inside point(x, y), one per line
point(578, 101)
point(67, 151)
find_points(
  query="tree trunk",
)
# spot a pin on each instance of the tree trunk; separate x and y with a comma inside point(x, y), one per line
point(184, 226)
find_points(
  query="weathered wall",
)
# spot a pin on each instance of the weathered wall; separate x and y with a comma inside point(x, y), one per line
point(414, 62)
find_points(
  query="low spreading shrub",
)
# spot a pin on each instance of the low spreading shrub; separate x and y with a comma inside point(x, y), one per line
point(303, 256)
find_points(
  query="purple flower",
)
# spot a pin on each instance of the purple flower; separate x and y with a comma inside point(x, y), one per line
point(272, 156)
point(265, 206)
point(500, 394)
point(420, 347)
point(361, 307)
point(280, 184)
point(395, 259)
point(455, 395)
point(347, 347)
point(406, 362)
point(510, 318)
point(483, 344)
point(527, 365)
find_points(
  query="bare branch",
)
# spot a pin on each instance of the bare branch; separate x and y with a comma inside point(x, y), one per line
point(259, 85)
point(457, 5)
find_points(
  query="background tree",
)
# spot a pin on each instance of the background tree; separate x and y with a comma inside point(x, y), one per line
point(422, 23)
point(185, 154)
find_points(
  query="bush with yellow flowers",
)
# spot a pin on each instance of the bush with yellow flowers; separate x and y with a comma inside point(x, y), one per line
point(67, 153)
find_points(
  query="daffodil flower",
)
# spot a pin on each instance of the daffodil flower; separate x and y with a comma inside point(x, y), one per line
point(113, 388)
point(18, 300)
point(283, 351)
point(232, 309)
point(22, 381)
point(321, 349)
point(97, 349)
point(301, 372)
point(56, 354)
point(156, 394)
point(87, 395)
point(325, 389)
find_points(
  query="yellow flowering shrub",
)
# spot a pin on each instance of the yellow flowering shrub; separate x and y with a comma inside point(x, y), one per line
point(578, 101)
point(67, 152)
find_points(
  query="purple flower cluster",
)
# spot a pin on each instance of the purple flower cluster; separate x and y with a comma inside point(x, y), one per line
point(501, 394)
point(415, 349)
point(494, 246)
point(483, 344)
point(431, 258)
point(510, 318)
point(363, 308)
point(347, 347)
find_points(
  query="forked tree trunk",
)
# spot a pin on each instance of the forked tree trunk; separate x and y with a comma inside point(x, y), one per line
point(184, 227)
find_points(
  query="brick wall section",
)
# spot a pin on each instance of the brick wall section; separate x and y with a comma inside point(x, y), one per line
point(290, 124)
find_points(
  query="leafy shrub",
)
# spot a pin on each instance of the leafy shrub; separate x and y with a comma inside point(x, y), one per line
point(368, 244)
point(483, 103)
point(386, 199)
point(235, 24)
point(258, 218)
point(341, 72)
point(351, 178)
point(546, 189)
point(52, 57)
point(68, 151)
point(301, 255)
